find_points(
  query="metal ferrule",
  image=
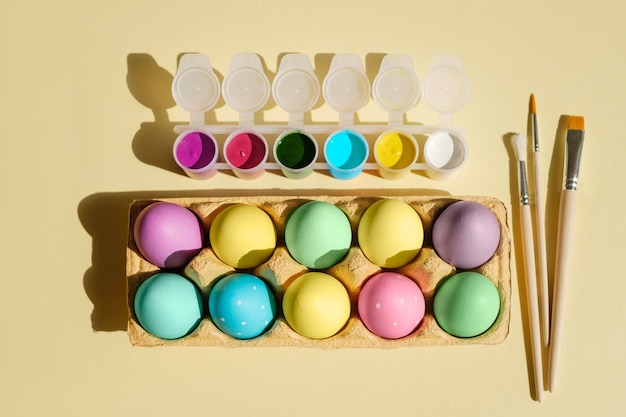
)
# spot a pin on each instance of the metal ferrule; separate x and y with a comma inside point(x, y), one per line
point(523, 184)
point(535, 134)
point(574, 150)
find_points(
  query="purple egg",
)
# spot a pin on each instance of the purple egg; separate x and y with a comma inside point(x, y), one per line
point(168, 235)
point(466, 234)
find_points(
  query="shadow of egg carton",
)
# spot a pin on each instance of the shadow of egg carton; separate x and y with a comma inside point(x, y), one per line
point(427, 269)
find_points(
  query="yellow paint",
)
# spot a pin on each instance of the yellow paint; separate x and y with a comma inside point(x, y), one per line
point(395, 150)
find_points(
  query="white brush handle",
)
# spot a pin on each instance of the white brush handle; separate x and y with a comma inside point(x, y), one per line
point(542, 262)
point(565, 238)
point(531, 299)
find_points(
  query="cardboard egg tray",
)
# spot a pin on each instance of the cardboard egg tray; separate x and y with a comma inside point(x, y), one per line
point(427, 269)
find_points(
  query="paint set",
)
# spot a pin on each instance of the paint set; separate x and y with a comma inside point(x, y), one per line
point(296, 89)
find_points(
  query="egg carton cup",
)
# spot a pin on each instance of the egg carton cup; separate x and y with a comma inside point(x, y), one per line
point(346, 89)
point(427, 270)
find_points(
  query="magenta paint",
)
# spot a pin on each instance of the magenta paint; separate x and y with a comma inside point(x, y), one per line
point(196, 150)
point(246, 150)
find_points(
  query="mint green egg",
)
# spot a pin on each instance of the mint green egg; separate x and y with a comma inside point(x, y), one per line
point(318, 234)
point(466, 304)
point(168, 305)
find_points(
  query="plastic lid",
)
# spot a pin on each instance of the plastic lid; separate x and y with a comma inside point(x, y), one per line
point(195, 87)
point(446, 87)
point(396, 88)
point(246, 89)
point(295, 88)
point(346, 88)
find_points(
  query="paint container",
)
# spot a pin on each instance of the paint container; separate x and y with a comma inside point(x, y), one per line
point(446, 90)
point(195, 89)
point(295, 152)
point(444, 153)
point(345, 152)
point(295, 90)
point(395, 153)
point(396, 90)
point(196, 151)
point(246, 90)
point(246, 152)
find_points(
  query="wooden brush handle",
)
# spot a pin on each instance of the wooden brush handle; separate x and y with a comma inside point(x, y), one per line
point(540, 250)
point(532, 299)
point(564, 245)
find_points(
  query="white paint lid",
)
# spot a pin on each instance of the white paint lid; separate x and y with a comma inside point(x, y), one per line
point(396, 88)
point(446, 87)
point(295, 89)
point(246, 88)
point(346, 87)
point(195, 87)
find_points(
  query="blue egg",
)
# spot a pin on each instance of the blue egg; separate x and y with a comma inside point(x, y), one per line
point(168, 305)
point(242, 306)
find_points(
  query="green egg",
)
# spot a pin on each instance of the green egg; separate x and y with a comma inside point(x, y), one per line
point(466, 304)
point(318, 234)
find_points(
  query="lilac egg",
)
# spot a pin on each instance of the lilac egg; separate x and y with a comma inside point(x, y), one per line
point(168, 235)
point(466, 234)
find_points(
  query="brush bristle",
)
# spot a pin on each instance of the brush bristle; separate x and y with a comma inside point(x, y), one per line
point(576, 123)
point(519, 146)
point(533, 106)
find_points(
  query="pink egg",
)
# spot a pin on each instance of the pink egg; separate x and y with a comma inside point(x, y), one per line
point(168, 235)
point(391, 305)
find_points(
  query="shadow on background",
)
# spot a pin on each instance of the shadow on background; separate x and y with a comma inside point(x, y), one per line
point(372, 65)
point(151, 86)
point(105, 217)
point(553, 200)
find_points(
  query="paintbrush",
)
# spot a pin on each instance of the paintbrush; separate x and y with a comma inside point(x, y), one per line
point(565, 239)
point(519, 147)
point(542, 262)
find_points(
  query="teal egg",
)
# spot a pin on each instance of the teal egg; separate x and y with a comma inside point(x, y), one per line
point(466, 304)
point(318, 234)
point(168, 305)
point(242, 306)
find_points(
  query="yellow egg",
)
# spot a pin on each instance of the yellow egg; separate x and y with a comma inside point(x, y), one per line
point(243, 236)
point(390, 233)
point(316, 305)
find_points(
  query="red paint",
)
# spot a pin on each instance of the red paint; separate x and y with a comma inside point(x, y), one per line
point(246, 150)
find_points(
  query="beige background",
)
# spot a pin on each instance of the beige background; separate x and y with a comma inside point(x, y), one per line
point(87, 115)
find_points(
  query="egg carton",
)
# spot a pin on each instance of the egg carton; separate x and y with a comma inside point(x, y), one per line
point(427, 270)
point(346, 88)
